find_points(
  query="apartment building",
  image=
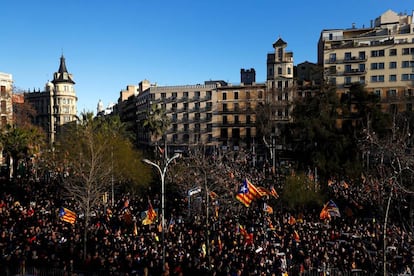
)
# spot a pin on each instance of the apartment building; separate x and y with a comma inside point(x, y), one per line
point(57, 104)
point(189, 107)
point(379, 56)
point(235, 111)
point(6, 103)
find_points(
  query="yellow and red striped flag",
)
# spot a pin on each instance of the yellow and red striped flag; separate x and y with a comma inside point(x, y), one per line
point(151, 215)
point(274, 193)
point(247, 193)
point(67, 215)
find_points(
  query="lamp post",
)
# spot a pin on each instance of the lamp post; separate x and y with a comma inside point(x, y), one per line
point(162, 172)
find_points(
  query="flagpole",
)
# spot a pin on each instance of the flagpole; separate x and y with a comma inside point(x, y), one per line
point(162, 172)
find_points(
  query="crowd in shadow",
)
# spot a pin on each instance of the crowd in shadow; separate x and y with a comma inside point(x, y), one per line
point(282, 242)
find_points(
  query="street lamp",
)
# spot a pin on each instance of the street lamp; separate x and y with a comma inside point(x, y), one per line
point(162, 172)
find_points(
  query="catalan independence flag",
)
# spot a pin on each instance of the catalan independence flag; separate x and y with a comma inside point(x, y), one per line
point(67, 215)
point(151, 215)
point(247, 193)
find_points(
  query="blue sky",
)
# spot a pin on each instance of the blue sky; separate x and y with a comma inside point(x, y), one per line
point(109, 44)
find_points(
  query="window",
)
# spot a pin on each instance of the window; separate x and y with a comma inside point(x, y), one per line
point(174, 95)
point(406, 77)
point(279, 84)
point(223, 133)
point(185, 94)
point(348, 68)
point(174, 117)
point(409, 107)
point(163, 95)
point(289, 70)
point(393, 64)
point(379, 78)
point(348, 80)
point(185, 117)
point(236, 119)
point(174, 127)
point(406, 51)
point(377, 53)
point(405, 64)
point(393, 77)
point(209, 105)
point(225, 109)
point(361, 55)
point(377, 65)
point(236, 107)
point(185, 106)
point(260, 94)
point(236, 95)
point(393, 52)
point(348, 56)
point(3, 90)
point(361, 67)
point(197, 94)
point(197, 116)
point(209, 116)
point(185, 127)
point(248, 119)
point(247, 95)
point(224, 96)
point(174, 107)
point(3, 107)
point(392, 93)
point(224, 119)
point(332, 57)
point(208, 94)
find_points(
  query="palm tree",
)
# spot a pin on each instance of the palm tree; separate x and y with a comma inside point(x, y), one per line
point(20, 143)
point(157, 122)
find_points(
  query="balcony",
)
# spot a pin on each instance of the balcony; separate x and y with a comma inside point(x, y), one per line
point(354, 72)
point(354, 60)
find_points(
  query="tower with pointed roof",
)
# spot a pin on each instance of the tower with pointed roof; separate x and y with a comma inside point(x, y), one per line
point(279, 82)
point(57, 105)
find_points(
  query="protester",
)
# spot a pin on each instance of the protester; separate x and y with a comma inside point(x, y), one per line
point(34, 235)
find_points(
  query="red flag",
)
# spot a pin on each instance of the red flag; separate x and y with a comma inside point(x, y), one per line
point(248, 237)
point(274, 193)
point(296, 236)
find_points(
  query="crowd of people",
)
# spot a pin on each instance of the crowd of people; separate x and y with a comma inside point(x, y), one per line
point(253, 241)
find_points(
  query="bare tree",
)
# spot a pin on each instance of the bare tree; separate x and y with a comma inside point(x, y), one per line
point(89, 152)
point(389, 172)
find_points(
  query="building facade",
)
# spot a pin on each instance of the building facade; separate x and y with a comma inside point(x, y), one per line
point(6, 103)
point(57, 104)
point(189, 107)
point(379, 57)
point(280, 89)
point(235, 113)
